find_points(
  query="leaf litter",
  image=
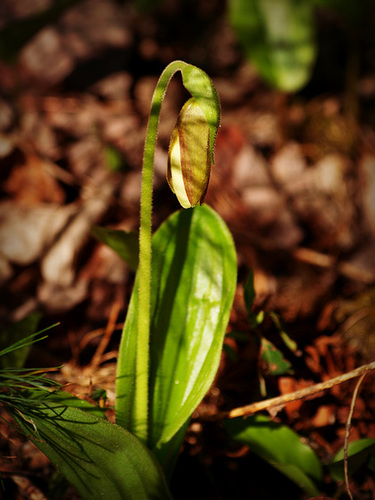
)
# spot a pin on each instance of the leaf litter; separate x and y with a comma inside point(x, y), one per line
point(302, 215)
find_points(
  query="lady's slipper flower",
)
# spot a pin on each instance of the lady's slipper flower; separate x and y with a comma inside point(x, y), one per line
point(189, 160)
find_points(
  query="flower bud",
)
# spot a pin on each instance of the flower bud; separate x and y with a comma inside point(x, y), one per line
point(189, 159)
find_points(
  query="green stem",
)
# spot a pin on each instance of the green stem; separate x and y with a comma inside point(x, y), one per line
point(144, 266)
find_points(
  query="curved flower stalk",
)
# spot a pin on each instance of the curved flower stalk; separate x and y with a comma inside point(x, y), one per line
point(203, 113)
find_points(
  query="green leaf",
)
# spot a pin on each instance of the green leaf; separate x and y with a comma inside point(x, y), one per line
point(167, 455)
point(281, 447)
point(124, 243)
point(193, 282)
point(359, 452)
point(273, 361)
point(290, 343)
point(63, 399)
point(57, 486)
point(100, 459)
point(278, 38)
point(113, 158)
point(16, 334)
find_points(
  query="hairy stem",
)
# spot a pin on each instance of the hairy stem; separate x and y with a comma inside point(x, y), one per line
point(144, 267)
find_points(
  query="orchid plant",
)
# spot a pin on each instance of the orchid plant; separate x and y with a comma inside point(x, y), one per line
point(173, 334)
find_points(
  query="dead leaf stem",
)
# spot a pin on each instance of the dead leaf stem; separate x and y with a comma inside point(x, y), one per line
point(273, 405)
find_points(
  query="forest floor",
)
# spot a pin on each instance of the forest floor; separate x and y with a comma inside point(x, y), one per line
point(294, 179)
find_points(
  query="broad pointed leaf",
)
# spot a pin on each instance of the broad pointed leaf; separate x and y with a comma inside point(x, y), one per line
point(100, 459)
point(193, 282)
point(281, 447)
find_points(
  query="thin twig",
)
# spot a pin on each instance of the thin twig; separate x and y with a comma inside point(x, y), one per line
point(110, 328)
point(277, 403)
point(347, 433)
point(90, 336)
point(347, 269)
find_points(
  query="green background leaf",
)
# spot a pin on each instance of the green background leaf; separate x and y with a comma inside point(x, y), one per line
point(359, 453)
point(281, 447)
point(193, 282)
point(278, 38)
point(273, 361)
point(124, 243)
point(113, 158)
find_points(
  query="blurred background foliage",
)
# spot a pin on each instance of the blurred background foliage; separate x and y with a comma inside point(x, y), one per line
point(283, 39)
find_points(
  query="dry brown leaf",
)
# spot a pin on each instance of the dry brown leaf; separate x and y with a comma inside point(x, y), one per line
point(26, 232)
point(31, 183)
